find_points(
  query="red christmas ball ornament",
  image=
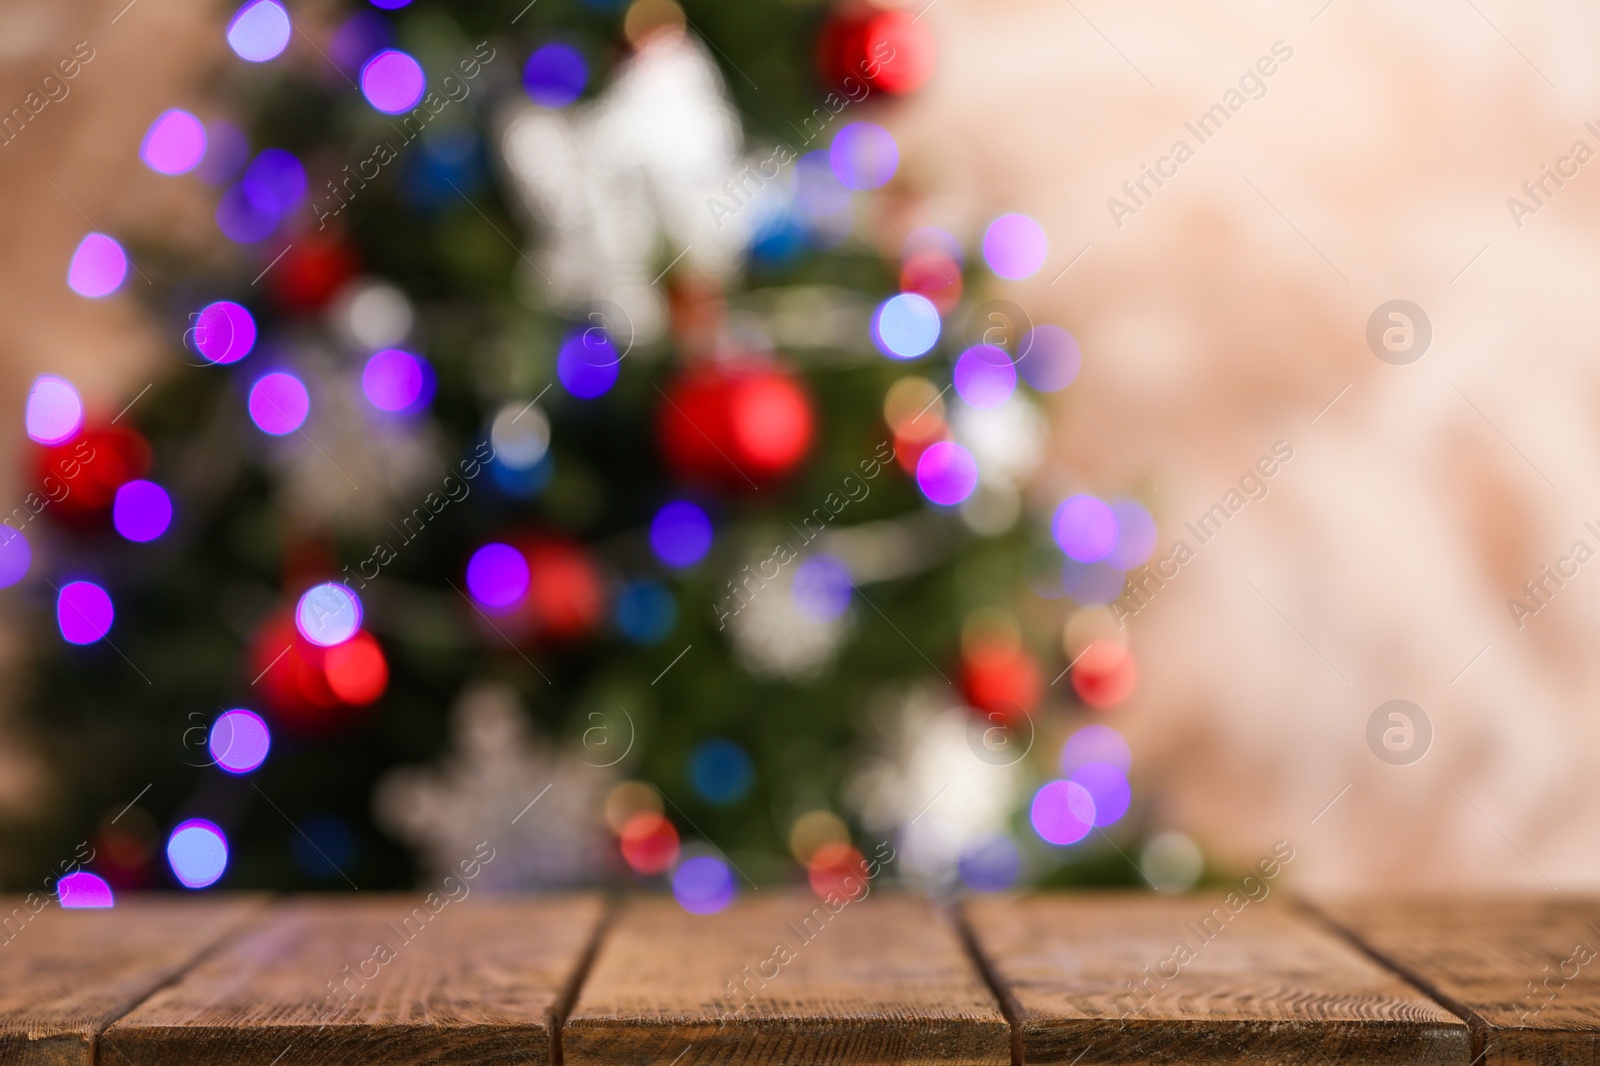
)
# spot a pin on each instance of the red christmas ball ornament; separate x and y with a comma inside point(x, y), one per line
point(841, 47)
point(311, 690)
point(735, 427)
point(902, 47)
point(82, 476)
point(1105, 674)
point(566, 597)
point(890, 51)
point(311, 271)
point(999, 677)
point(274, 663)
point(308, 666)
point(356, 671)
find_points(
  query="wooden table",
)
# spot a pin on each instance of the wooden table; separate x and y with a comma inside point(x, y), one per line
point(784, 978)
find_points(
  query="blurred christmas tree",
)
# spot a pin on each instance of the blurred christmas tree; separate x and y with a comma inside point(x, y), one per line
point(587, 370)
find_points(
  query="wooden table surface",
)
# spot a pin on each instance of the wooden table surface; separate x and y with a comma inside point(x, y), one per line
point(783, 978)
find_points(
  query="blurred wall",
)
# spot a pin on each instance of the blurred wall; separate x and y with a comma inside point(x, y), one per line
point(71, 168)
point(1228, 307)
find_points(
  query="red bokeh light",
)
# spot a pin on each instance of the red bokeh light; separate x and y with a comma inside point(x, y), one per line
point(839, 869)
point(735, 427)
point(910, 43)
point(311, 271)
point(312, 690)
point(1003, 679)
point(565, 597)
point(649, 843)
point(82, 476)
point(1105, 674)
point(891, 51)
point(356, 670)
point(934, 275)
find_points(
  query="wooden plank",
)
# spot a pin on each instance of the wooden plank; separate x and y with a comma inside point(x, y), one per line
point(1524, 972)
point(783, 978)
point(67, 974)
point(375, 979)
point(1122, 978)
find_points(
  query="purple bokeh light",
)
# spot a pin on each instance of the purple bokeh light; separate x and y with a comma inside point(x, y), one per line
point(588, 364)
point(947, 473)
point(224, 332)
point(393, 82)
point(1136, 534)
point(1015, 247)
point(83, 612)
point(863, 156)
point(1095, 743)
point(817, 193)
point(83, 890)
point(905, 326)
point(328, 614)
point(259, 31)
point(174, 144)
point(227, 149)
point(680, 533)
point(985, 376)
point(1091, 584)
point(394, 379)
point(16, 555)
point(359, 37)
point(54, 411)
point(1062, 812)
point(272, 186)
point(98, 267)
point(241, 220)
point(989, 863)
point(239, 741)
point(555, 75)
point(1085, 527)
point(275, 181)
point(497, 575)
point(197, 851)
point(1107, 787)
point(1050, 358)
point(822, 587)
point(279, 403)
point(142, 510)
point(703, 885)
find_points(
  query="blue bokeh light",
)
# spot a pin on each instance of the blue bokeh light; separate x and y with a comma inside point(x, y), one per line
point(906, 326)
point(721, 771)
point(680, 533)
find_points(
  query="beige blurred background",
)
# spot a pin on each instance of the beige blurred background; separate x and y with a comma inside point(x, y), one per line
point(74, 167)
point(1229, 311)
point(1225, 315)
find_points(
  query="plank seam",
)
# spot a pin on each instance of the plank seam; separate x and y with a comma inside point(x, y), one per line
point(1477, 1027)
point(580, 976)
point(1009, 1008)
point(247, 920)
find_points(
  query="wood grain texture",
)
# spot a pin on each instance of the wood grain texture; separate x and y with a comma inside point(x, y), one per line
point(781, 978)
point(1121, 978)
point(67, 974)
point(1525, 972)
point(374, 979)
